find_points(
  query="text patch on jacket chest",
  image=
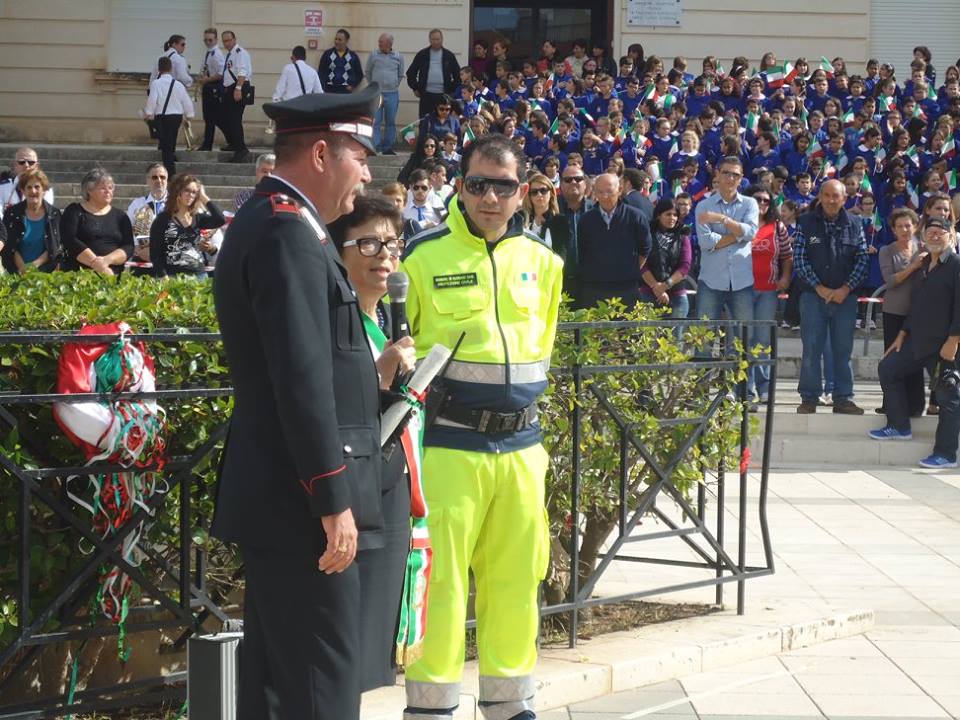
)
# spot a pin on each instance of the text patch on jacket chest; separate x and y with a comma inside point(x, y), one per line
point(442, 282)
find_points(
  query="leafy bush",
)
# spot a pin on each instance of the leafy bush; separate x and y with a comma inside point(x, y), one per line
point(65, 301)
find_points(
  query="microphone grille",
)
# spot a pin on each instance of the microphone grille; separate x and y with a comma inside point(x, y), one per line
point(397, 286)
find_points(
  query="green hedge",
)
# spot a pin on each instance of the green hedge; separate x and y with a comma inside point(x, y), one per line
point(64, 301)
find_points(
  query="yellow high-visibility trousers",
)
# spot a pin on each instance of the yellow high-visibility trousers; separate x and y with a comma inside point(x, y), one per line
point(487, 515)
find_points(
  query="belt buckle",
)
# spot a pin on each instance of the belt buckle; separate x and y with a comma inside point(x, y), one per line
point(485, 417)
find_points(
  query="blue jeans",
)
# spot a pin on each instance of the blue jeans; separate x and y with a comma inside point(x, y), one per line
point(710, 303)
point(895, 370)
point(764, 308)
point(387, 111)
point(818, 322)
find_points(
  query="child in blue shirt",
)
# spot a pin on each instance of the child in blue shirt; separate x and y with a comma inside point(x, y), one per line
point(595, 158)
point(663, 140)
point(626, 73)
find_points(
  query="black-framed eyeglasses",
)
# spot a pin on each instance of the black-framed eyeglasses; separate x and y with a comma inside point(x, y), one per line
point(424, 188)
point(158, 177)
point(540, 191)
point(479, 185)
point(574, 179)
point(372, 245)
point(30, 163)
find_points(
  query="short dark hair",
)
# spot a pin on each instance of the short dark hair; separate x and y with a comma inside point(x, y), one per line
point(420, 173)
point(299, 52)
point(493, 147)
point(365, 208)
point(634, 177)
point(346, 33)
point(164, 64)
point(730, 160)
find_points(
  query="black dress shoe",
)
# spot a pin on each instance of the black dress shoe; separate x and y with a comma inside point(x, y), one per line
point(204, 148)
point(227, 148)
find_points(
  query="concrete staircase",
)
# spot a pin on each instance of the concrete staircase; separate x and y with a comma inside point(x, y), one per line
point(66, 165)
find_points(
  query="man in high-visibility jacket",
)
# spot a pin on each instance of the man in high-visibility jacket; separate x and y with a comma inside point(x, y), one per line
point(483, 467)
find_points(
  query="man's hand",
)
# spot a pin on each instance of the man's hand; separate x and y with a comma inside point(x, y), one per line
point(663, 298)
point(707, 217)
point(840, 294)
point(237, 94)
point(825, 293)
point(918, 260)
point(784, 284)
point(948, 351)
point(341, 533)
point(725, 241)
point(896, 344)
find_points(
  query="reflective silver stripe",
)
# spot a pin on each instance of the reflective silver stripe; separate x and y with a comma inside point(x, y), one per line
point(495, 374)
point(442, 421)
point(431, 696)
point(503, 698)
point(426, 716)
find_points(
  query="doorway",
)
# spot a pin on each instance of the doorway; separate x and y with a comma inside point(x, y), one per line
point(527, 23)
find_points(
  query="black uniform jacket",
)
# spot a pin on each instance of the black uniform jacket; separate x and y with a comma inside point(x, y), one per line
point(305, 433)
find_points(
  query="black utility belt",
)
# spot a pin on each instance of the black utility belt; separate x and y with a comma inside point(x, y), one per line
point(489, 422)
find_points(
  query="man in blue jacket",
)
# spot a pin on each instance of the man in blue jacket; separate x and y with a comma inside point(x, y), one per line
point(830, 257)
point(340, 68)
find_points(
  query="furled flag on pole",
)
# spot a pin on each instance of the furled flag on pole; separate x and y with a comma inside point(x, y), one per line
point(866, 185)
point(468, 137)
point(752, 122)
point(914, 156)
point(587, 116)
point(409, 132)
point(848, 119)
point(913, 198)
point(949, 149)
point(886, 103)
point(950, 181)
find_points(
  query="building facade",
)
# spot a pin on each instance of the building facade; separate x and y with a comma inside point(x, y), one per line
point(75, 70)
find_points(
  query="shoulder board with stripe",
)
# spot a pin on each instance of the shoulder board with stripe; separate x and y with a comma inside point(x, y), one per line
point(281, 203)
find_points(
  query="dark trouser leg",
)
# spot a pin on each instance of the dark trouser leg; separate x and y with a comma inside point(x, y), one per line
point(916, 390)
point(893, 371)
point(233, 119)
point(304, 649)
point(169, 127)
point(429, 102)
point(211, 115)
point(948, 426)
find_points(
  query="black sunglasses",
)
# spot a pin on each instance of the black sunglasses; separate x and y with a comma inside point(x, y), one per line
point(479, 185)
point(373, 246)
point(574, 179)
point(540, 191)
point(26, 162)
point(420, 187)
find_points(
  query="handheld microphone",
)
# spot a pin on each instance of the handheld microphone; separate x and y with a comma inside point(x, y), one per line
point(397, 286)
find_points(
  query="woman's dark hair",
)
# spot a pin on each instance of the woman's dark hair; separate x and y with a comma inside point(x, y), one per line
point(664, 205)
point(772, 214)
point(365, 208)
point(174, 40)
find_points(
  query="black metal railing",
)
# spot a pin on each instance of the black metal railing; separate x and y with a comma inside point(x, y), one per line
point(180, 588)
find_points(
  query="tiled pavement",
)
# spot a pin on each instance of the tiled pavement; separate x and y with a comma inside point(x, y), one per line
point(887, 539)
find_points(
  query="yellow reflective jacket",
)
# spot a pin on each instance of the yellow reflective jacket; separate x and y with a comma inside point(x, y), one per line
point(505, 297)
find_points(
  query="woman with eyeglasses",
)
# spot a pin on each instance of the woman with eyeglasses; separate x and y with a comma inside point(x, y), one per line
point(177, 245)
point(31, 227)
point(772, 253)
point(671, 254)
point(542, 212)
point(369, 243)
point(95, 234)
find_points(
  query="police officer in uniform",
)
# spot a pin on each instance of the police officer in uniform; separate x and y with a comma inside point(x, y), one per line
point(211, 77)
point(237, 72)
point(299, 487)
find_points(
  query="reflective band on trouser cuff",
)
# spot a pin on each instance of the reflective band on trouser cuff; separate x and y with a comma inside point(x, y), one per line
point(495, 374)
point(502, 698)
point(431, 696)
point(427, 715)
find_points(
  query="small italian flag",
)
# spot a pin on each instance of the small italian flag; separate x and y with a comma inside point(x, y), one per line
point(752, 122)
point(777, 75)
point(409, 132)
point(912, 198)
point(866, 185)
point(886, 103)
point(826, 66)
point(931, 93)
point(875, 221)
point(791, 74)
point(950, 181)
point(721, 73)
point(913, 154)
point(949, 149)
point(550, 82)
point(555, 126)
point(667, 101)
point(468, 136)
point(848, 119)
point(587, 116)
point(674, 149)
point(641, 140)
point(650, 93)
point(804, 115)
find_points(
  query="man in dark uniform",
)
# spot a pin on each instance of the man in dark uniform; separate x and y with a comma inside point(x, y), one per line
point(300, 487)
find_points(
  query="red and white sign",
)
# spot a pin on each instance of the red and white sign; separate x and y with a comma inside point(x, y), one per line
point(312, 22)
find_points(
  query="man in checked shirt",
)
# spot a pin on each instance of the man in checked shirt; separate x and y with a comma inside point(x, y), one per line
point(830, 257)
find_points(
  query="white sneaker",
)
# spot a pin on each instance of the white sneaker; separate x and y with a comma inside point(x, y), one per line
point(873, 325)
point(859, 324)
point(826, 399)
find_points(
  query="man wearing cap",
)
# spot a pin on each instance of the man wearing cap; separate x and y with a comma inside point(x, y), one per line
point(299, 487)
point(930, 339)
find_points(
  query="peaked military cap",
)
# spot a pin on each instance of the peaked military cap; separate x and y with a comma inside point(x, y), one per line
point(350, 113)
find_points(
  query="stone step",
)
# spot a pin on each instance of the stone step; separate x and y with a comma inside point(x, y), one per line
point(144, 154)
point(138, 168)
point(70, 179)
point(864, 368)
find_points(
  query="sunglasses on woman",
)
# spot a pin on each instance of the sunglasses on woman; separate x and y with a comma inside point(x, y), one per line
point(540, 191)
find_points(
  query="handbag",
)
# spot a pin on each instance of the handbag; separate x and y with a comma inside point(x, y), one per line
point(153, 124)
